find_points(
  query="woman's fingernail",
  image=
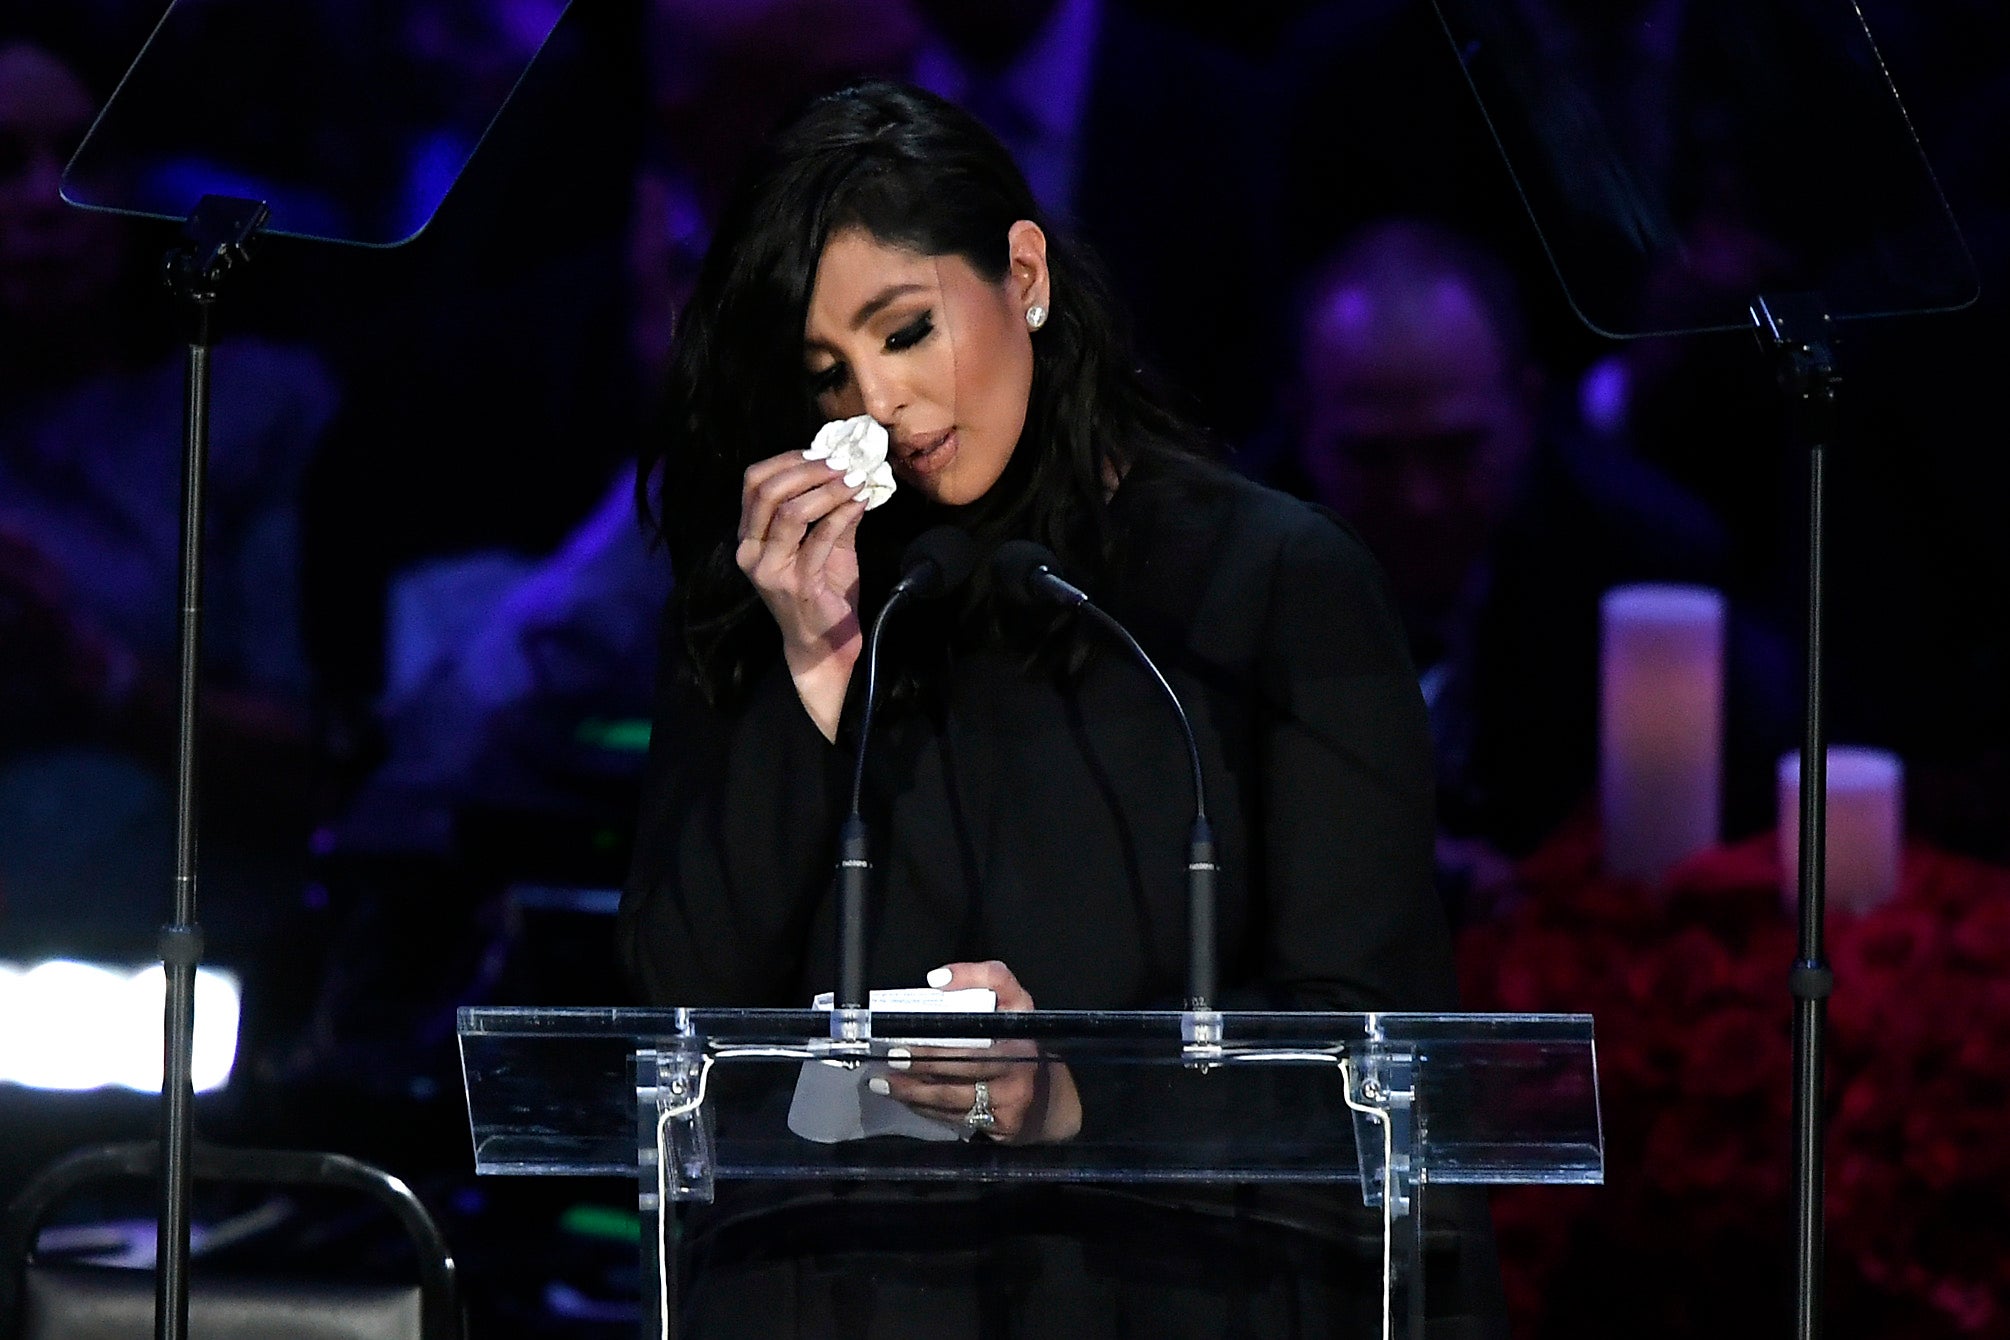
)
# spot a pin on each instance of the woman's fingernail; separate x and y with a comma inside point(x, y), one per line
point(879, 1086)
point(853, 478)
point(897, 1058)
point(939, 978)
point(861, 495)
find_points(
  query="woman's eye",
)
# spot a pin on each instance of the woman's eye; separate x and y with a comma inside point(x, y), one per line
point(828, 380)
point(911, 334)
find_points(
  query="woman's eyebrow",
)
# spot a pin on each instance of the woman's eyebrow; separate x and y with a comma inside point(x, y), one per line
point(874, 305)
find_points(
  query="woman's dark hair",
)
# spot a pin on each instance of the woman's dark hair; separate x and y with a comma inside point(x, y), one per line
point(917, 172)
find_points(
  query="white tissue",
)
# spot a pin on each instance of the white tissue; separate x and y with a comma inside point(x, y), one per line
point(858, 447)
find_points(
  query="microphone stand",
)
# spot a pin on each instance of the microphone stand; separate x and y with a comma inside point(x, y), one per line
point(216, 236)
point(1201, 1023)
point(854, 858)
point(938, 560)
point(1795, 331)
point(1201, 866)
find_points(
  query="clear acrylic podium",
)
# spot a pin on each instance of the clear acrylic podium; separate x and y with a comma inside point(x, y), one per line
point(1390, 1104)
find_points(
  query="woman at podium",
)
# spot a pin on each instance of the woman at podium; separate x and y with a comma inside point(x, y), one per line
point(884, 266)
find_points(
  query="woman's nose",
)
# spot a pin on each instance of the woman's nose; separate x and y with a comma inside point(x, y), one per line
point(884, 395)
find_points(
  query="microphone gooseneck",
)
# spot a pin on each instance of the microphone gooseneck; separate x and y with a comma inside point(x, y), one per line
point(937, 562)
point(1028, 571)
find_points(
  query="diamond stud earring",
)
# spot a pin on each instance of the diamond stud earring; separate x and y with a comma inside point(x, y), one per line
point(1036, 317)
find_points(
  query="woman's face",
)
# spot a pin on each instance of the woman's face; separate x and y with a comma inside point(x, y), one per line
point(940, 355)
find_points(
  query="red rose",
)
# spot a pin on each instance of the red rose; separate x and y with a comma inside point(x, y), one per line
point(1688, 986)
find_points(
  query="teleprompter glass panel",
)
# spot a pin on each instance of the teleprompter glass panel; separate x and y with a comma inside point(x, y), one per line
point(1679, 160)
point(351, 122)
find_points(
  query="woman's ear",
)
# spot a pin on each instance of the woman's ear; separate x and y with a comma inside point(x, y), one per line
point(1027, 281)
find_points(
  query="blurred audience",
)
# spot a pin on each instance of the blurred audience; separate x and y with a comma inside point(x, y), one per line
point(522, 710)
point(488, 360)
point(511, 725)
point(1378, 120)
point(91, 416)
point(722, 76)
point(465, 57)
point(1421, 415)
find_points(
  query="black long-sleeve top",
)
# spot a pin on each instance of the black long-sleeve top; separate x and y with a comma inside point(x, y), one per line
point(1041, 819)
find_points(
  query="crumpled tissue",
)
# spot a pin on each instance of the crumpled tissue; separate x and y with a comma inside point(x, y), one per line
point(858, 447)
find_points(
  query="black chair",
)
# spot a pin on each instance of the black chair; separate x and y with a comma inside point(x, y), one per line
point(55, 1300)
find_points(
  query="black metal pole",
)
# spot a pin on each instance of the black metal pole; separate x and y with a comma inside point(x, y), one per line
point(1796, 331)
point(215, 237)
point(1811, 981)
point(181, 938)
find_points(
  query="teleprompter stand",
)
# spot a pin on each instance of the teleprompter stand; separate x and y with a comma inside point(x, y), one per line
point(1781, 155)
point(216, 238)
point(147, 145)
point(1795, 332)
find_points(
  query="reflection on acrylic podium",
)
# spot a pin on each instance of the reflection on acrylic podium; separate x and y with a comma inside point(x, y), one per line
point(1390, 1105)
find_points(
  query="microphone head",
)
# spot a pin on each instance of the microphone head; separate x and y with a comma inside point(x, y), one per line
point(938, 560)
point(1017, 566)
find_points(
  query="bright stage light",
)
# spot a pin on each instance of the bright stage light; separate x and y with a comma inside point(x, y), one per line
point(67, 1025)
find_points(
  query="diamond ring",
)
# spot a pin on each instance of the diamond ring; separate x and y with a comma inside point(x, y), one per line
point(980, 1117)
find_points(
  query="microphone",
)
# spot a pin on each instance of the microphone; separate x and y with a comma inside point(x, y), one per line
point(938, 561)
point(1027, 571)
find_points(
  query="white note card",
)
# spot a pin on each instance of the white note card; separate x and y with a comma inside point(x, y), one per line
point(832, 1102)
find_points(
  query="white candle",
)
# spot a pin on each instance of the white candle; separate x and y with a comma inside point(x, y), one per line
point(1865, 829)
point(1660, 725)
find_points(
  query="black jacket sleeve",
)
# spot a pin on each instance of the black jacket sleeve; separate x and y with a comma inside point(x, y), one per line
point(1350, 920)
point(733, 849)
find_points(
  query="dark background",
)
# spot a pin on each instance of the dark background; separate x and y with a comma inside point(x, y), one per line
point(492, 378)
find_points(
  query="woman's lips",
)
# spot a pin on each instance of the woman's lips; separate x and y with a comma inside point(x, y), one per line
point(925, 456)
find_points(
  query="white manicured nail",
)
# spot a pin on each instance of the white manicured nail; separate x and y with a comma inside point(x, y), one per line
point(879, 1086)
point(853, 478)
point(861, 495)
point(897, 1058)
point(939, 978)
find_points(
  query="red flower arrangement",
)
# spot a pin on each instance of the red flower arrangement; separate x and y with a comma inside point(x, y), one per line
point(1692, 1233)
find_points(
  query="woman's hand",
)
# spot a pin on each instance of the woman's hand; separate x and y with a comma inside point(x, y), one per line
point(1032, 1101)
point(798, 527)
